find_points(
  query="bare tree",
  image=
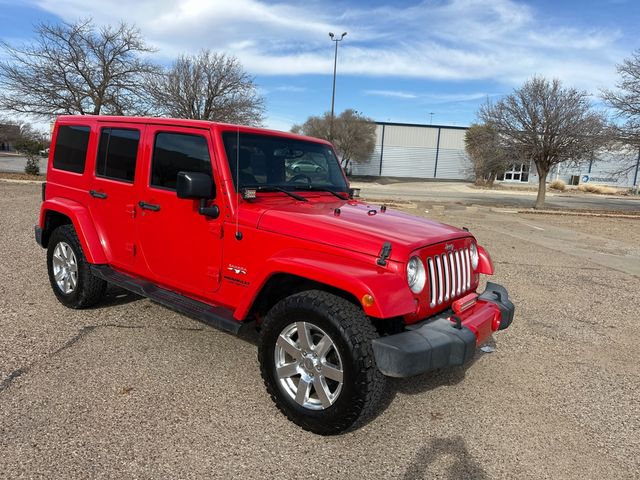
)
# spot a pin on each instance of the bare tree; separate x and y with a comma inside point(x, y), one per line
point(207, 86)
point(544, 122)
point(354, 135)
point(625, 100)
point(486, 152)
point(75, 68)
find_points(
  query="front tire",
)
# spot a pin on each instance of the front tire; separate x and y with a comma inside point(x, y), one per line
point(69, 272)
point(317, 362)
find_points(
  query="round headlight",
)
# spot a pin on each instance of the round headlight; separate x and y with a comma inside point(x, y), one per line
point(416, 275)
point(473, 251)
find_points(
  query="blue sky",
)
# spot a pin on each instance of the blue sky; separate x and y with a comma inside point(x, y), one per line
point(400, 61)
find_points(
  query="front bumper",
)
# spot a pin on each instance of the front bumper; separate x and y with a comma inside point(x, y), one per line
point(441, 341)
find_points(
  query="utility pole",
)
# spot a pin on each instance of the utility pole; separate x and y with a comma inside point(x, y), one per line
point(635, 177)
point(334, 39)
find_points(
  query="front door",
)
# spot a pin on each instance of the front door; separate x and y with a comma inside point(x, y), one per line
point(113, 193)
point(181, 248)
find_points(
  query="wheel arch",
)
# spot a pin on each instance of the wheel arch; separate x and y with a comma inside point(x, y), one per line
point(347, 278)
point(60, 211)
point(281, 285)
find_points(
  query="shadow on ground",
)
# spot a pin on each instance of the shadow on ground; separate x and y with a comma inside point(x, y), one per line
point(454, 451)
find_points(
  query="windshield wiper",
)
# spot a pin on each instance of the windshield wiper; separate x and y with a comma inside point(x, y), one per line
point(311, 188)
point(273, 188)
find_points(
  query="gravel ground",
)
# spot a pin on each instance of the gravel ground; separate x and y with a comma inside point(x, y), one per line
point(132, 390)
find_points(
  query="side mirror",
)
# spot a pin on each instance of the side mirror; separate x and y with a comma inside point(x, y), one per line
point(195, 185)
point(198, 186)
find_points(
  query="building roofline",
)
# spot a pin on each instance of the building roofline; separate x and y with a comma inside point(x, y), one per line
point(399, 124)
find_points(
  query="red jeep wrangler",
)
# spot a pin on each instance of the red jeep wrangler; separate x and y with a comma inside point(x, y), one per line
point(241, 227)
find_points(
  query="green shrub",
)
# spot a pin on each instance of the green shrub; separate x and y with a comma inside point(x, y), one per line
point(32, 167)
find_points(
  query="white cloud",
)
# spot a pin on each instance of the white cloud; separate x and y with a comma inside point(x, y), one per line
point(503, 40)
point(391, 93)
point(290, 88)
point(431, 98)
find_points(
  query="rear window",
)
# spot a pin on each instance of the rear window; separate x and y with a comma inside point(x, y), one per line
point(117, 154)
point(178, 152)
point(71, 148)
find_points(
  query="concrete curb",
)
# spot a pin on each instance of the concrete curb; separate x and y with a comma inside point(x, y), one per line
point(575, 213)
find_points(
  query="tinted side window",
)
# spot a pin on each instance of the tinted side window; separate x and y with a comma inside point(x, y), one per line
point(71, 148)
point(117, 154)
point(178, 152)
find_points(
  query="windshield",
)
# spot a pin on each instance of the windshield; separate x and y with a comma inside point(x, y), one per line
point(270, 161)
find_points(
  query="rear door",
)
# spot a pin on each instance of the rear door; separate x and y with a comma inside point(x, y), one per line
point(182, 249)
point(113, 190)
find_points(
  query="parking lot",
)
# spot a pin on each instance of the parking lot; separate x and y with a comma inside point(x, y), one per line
point(130, 389)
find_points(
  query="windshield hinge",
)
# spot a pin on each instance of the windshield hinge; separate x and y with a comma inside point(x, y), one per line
point(385, 252)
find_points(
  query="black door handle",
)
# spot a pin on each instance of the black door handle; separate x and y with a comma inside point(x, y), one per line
point(96, 194)
point(149, 206)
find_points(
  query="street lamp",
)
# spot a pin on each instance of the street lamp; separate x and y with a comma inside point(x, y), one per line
point(334, 39)
point(431, 118)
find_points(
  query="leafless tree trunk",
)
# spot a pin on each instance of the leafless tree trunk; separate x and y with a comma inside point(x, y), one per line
point(547, 123)
point(75, 69)
point(207, 86)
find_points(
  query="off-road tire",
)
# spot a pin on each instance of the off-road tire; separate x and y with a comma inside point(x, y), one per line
point(89, 289)
point(352, 333)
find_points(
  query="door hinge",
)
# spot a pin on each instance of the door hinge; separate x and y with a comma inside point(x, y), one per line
point(214, 273)
point(131, 248)
point(216, 230)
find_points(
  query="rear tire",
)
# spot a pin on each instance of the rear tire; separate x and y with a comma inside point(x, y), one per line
point(327, 405)
point(69, 272)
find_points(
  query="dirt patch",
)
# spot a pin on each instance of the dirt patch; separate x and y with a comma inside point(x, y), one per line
point(625, 229)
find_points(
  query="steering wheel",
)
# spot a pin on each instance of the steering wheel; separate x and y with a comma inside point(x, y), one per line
point(299, 177)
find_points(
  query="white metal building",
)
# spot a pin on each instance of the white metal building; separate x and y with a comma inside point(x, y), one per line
point(437, 152)
point(417, 151)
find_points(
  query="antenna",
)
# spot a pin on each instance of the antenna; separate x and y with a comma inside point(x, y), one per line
point(238, 234)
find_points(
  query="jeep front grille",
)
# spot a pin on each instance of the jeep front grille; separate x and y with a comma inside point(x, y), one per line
point(449, 275)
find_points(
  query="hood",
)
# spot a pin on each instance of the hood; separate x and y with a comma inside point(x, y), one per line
point(357, 227)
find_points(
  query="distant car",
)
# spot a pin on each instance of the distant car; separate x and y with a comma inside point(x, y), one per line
point(306, 166)
point(44, 153)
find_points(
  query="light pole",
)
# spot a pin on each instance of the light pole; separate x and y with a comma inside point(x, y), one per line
point(334, 39)
point(431, 118)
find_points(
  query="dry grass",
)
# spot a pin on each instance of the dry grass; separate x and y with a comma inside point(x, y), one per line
point(558, 185)
point(597, 189)
point(22, 176)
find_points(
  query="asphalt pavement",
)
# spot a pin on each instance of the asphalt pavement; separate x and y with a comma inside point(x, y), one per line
point(129, 389)
point(467, 194)
point(16, 163)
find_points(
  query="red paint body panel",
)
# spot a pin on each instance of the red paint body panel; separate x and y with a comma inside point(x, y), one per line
point(481, 320)
point(357, 229)
point(82, 222)
point(201, 257)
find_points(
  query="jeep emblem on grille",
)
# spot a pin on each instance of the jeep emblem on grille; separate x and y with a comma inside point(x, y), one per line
point(448, 247)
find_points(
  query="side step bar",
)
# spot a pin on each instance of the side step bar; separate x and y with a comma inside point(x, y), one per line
point(218, 317)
